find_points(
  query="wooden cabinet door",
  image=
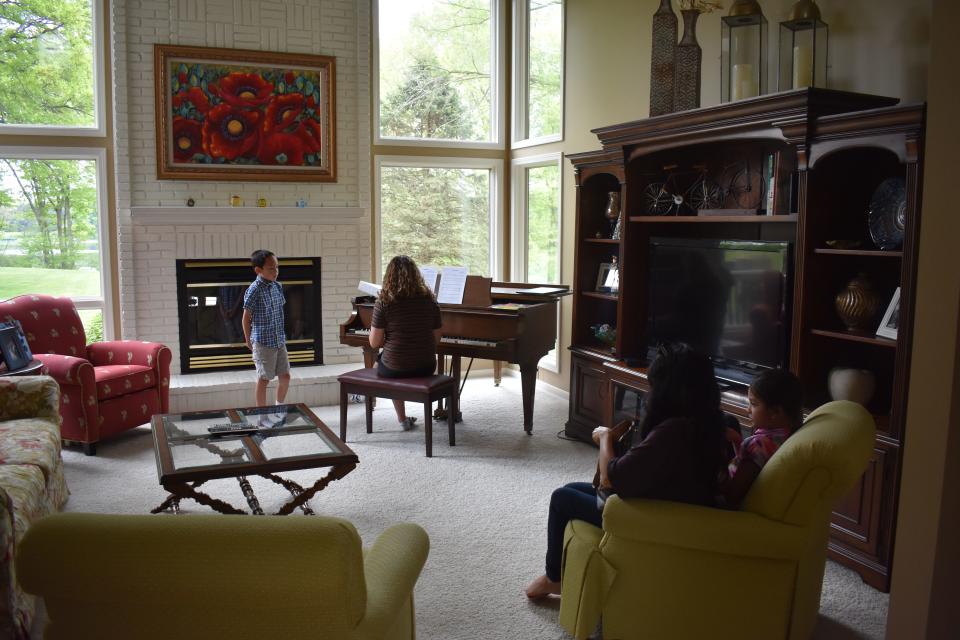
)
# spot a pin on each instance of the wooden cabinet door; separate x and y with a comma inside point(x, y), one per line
point(860, 524)
point(588, 393)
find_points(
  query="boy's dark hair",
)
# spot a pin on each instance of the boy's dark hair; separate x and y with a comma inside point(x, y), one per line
point(259, 257)
point(780, 388)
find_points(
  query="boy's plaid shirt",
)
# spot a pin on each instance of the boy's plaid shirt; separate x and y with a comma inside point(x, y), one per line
point(265, 301)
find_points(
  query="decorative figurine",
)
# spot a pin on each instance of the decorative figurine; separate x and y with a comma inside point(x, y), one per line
point(612, 213)
point(190, 202)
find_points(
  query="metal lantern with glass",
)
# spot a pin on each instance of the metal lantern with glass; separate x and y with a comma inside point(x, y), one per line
point(803, 48)
point(743, 52)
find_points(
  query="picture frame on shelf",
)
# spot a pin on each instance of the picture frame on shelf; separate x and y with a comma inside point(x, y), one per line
point(608, 278)
point(891, 318)
point(237, 114)
point(13, 354)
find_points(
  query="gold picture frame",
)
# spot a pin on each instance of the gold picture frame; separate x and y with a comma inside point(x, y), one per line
point(236, 114)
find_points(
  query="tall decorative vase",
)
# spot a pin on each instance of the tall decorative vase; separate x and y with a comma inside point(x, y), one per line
point(858, 304)
point(686, 77)
point(661, 59)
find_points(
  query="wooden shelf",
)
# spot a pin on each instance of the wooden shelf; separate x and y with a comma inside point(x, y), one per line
point(709, 219)
point(601, 296)
point(855, 337)
point(601, 241)
point(860, 252)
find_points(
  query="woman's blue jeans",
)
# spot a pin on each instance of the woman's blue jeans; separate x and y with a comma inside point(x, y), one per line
point(575, 501)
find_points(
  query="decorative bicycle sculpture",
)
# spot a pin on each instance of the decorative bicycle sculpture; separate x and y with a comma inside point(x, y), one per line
point(689, 192)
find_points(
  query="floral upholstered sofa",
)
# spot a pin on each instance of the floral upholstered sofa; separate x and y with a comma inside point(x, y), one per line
point(31, 482)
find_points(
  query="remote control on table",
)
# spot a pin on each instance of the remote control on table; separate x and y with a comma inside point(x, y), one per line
point(232, 429)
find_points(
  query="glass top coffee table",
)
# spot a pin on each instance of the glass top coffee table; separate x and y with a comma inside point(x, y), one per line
point(275, 439)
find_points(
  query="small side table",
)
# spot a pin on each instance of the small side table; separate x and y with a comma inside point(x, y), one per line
point(35, 368)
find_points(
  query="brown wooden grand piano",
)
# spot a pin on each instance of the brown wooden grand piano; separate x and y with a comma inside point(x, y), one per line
point(500, 321)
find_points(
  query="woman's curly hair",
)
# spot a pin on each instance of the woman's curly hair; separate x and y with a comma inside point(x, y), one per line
point(403, 280)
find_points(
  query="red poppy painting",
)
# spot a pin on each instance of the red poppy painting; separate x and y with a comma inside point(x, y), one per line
point(232, 114)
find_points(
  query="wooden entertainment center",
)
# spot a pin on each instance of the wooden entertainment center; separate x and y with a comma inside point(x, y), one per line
point(697, 174)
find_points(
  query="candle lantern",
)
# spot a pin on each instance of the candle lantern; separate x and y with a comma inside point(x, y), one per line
point(803, 48)
point(743, 52)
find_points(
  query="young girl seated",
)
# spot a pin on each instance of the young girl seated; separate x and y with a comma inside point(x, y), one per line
point(776, 409)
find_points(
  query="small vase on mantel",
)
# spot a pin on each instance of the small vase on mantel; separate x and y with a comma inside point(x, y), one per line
point(661, 59)
point(686, 77)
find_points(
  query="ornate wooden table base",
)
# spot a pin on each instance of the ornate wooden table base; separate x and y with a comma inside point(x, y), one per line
point(188, 490)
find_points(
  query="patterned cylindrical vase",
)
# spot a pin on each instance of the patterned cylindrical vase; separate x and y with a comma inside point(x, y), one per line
point(858, 303)
point(661, 59)
point(686, 77)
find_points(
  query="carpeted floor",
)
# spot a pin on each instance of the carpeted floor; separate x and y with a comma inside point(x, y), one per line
point(483, 503)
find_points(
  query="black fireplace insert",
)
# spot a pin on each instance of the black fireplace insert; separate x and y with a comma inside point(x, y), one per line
point(210, 307)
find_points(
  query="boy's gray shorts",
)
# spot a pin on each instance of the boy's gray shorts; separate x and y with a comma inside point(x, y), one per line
point(270, 361)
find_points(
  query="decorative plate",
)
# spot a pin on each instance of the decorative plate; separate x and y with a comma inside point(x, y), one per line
point(888, 213)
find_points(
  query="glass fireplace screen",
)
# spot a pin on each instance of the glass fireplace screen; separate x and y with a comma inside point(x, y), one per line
point(210, 303)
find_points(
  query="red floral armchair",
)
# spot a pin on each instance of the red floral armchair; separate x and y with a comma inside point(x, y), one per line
point(106, 387)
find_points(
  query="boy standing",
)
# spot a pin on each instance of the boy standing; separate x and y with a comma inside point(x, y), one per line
point(263, 326)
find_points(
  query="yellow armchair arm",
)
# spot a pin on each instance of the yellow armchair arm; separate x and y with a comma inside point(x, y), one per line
point(391, 568)
point(674, 524)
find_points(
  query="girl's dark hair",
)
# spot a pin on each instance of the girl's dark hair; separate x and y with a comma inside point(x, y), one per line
point(780, 388)
point(683, 385)
point(403, 280)
point(259, 257)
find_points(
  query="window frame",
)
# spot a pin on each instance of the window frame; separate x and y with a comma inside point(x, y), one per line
point(494, 165)
point(105, 303)
point(521, 76)
point(497, 86)
point(99, 129)
point(519, 237)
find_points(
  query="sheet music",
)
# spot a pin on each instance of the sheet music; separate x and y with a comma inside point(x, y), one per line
point(430, 274)
point(369, 288)
point(452, 282)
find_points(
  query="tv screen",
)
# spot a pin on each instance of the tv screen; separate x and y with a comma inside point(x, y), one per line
point(724, 298)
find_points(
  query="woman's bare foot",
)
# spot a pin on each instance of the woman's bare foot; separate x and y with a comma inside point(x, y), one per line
point(542, 587)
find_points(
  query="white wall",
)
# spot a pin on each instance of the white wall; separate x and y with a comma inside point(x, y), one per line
point(338, 28)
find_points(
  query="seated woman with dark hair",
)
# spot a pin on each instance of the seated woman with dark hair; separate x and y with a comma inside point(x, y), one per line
point(406, 323)
point(681, 451)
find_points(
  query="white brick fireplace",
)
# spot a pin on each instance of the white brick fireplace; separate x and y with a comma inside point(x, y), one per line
point(155, 228)
point(162, 235)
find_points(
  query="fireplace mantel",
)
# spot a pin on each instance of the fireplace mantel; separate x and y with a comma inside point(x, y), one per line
point(246, 215)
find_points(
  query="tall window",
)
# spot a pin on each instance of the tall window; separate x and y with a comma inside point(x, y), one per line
point(538, 71)
point(438, 64)
point(52, 197)
point(439, 211)
point(536, 225)
point(50, 76)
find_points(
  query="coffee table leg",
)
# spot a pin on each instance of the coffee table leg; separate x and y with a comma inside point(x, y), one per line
point(291, 486)
point(335, 473)
point(250, 496)
point(172, 503)
point(180, 491)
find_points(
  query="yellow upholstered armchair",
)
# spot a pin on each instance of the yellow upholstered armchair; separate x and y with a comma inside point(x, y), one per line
point(669, 570)
point(213, 576)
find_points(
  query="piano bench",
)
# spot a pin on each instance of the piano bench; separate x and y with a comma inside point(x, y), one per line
point(425, 390)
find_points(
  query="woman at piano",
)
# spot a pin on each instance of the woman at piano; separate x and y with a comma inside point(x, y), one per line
point(406, 323)
point(677, 455)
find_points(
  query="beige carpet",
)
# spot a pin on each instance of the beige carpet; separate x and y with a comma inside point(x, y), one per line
point(483, 503)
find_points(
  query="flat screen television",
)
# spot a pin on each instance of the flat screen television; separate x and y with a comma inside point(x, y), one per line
point(728, 299)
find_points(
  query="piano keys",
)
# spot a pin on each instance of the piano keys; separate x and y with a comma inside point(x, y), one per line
point(519, 326)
